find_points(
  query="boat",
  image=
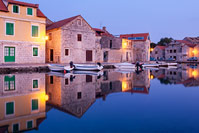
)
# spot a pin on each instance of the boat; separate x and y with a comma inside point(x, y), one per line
point(124, 66)
point(85, 67)
point(150, 65)
point(93, 73)
point(60, 68)
point(56, 67)
point(164, 64)
point(60, 74)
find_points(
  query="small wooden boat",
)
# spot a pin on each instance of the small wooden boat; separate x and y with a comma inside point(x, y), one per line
point(56, 67)
point(85, 67)
point(60, 68)
point(93, 73)
point(125, 66)
point(150, 65)
point(60, 74)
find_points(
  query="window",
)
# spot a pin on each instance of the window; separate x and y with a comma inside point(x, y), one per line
point(35, 104)
point(9, 28)
point(79, 37)
point(15, 128)
point(111, 43)
point(15, 9)
point(35, 31)
point(29, 124)
point(66, 81)
point(9, 108)
point(174, 51)
point(79, 95)
point(89, 78)
point(35, 84)
point(50, 36)
point(29, 11)
point(51, 79)
point(35, 51)
point(136, 38)
point(9, 83)
point(156, 52)
point(79, 22)
point(170, 51)
point(66, 52)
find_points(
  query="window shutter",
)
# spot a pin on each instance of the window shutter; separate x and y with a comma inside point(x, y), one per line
point(9, 108)
point(9, 29)
point(35, 31)
point(35, 104)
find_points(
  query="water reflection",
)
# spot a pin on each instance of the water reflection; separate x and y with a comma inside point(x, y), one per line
point(188, 75)
point(22, 101)
point(25, 98)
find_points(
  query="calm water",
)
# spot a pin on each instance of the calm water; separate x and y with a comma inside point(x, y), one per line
point(164, 100)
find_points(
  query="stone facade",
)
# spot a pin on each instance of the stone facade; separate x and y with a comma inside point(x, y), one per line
point(65, 44)
point(158, 53)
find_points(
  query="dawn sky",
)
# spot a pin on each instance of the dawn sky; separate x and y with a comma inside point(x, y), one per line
point(161, 18)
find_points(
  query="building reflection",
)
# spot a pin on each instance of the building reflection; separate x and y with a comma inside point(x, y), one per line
point(188, 75)
point(22, 101)
point(75, 95)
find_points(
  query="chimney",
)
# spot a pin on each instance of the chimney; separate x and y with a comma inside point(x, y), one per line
point(5, 2)
point(104, 28)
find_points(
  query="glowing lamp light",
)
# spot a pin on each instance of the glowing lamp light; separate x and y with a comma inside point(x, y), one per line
point(46, 38)
point(194, 73)
point(151, 77)
point(124, 86)
point(195, 51)
point(44, 97)
point(151, 49)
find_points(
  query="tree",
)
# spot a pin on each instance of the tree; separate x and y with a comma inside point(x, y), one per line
point(153, 45)
point(165, 41)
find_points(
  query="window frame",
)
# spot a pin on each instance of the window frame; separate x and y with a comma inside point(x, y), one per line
point(31, 105)
point(33, 84)
point(13, 9)
point(7, 115)
point(65, 52)
point(79, 39)
point(32, 30)
point(33, 51)
point(8, 91)
point(6, 28)
point(27, 124)
point(13, 125)
point(27, 11)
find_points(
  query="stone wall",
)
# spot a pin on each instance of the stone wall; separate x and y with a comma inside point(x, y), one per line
point(23, 52)
point(77, 49)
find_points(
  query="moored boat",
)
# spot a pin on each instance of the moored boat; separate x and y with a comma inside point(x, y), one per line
point(150, 65)
point(94, 73)
point(124, 66)
point(85, 67)
point(56, 67)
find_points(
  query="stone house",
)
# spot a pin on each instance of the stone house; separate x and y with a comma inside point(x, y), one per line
point(71, 39)
point(158, 53)
point(112, 49)
point(22, 102)
point(180, 50)
point(22, 33)
point(141, 46)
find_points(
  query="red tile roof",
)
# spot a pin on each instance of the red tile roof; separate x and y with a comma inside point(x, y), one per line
point(61, 23)
point(161, 47)
point(145, 35)
point(23, 3)
point(3, 7)
point(186, 43)
point(100, 32)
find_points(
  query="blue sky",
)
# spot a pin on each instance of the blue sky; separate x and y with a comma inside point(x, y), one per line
point(161, 18)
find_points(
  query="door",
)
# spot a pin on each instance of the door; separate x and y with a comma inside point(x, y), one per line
point(89, 55)
point(127, 56)
point(105, 56)
point(9, 54)
point(51, 55)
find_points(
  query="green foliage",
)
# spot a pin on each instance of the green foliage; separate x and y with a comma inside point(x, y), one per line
point(165, 41)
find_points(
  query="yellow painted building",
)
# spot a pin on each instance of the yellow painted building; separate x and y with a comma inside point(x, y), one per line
point(22, 32)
